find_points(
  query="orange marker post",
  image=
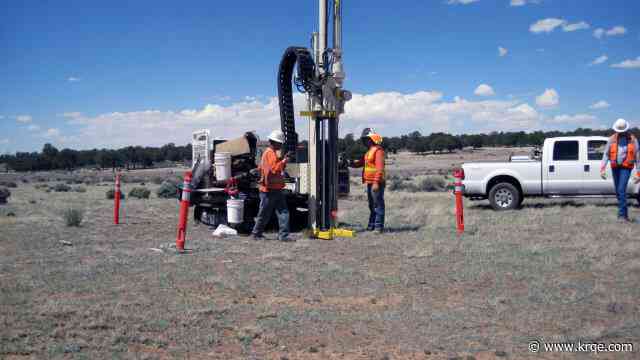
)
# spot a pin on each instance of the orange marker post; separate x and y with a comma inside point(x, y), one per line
point(116, 201)
point(458, 191)
point(184, 211)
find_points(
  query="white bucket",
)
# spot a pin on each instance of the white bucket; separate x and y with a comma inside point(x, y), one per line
point(235, 211)
point(222, 163)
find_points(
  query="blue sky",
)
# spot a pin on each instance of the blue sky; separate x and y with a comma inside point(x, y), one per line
point(85, 74)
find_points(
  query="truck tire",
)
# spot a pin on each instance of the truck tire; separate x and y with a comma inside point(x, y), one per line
point(504, 196)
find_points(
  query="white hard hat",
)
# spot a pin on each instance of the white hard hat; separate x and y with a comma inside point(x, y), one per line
point(277, 136)
point(620, 126)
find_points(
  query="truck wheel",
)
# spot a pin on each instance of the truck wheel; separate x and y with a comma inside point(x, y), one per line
point(504, 196)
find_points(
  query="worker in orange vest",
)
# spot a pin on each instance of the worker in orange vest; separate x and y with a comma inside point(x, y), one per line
point(373, 177)
point(270, 185)
point(623, 155)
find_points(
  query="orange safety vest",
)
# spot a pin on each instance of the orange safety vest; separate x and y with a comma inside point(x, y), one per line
point(630, 160)
point(371, 173)
point(271, 177)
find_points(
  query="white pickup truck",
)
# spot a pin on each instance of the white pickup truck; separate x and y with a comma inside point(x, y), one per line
point(566, 167)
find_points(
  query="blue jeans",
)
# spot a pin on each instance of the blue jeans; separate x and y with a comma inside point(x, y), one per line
point(620, 181)
point(376, 208)
point(269, 201)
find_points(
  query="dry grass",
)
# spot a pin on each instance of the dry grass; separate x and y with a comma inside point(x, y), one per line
point(554, 270)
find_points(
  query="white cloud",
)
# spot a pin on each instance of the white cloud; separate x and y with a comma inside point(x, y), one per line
point(575, 26)
point(484, 90)
point(33, 127)
point(524, 2)
point(392, 113)
point(550, 24)
point(4, 141)
point(502, 51)
point(578, 120)
point(462, 2)
point(598, 33)
point(73, 79)
point(614, 31)
point(600, 105)
point(628, 64)
point(546, 25)
point(51, 133)
point(548, 99)
point(25, 119)
point(599, 60)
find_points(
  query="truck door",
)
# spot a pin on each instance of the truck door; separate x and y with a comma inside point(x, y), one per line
point(593, 184)
point(563, 172)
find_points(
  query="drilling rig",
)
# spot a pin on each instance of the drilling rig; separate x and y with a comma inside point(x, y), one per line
point(317, 174)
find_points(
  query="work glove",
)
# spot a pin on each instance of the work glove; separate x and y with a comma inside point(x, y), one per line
point(603, 173)
point(636, 178)
point(375, 187)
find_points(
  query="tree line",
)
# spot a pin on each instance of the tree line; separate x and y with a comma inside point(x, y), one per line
point(130, 157)
point(133, 157)
point(440, 142)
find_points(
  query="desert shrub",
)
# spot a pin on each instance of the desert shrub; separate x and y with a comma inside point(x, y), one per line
point(111, 194)
point(432, 183)
point(140, 193)
point(41, 186)
point(167, 190)
point(24, 180)
point(60, 187)
point(90, 180)
point(9, 184)
point(4, 195)
point(127, 179)
point(427, 184)
point(80, 189)
point(156, 180)
point(72, 217)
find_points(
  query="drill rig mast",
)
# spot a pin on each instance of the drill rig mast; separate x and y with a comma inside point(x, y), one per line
point(321, 77)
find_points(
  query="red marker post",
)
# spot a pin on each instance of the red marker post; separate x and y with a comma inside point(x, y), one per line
point(458, 174)
point(184, 211)
point(116, 201)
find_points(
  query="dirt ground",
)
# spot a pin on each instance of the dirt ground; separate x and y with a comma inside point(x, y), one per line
point(556, 270)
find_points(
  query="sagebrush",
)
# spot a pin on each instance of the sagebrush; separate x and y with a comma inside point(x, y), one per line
point(72, 216)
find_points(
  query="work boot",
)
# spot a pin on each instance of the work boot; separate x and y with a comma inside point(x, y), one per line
point(624, 219)
point(287, 239)
point(257, 237)
point(370, 228)
point(380, 231)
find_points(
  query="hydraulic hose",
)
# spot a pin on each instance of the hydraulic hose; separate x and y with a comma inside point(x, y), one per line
point(306, 73)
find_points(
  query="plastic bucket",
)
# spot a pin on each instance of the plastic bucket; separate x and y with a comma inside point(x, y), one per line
point(222, 163)
point(235, 211)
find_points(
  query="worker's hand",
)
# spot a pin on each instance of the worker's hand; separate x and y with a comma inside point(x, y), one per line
point(603, 173)
point(375, 187)
point(636, 178)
